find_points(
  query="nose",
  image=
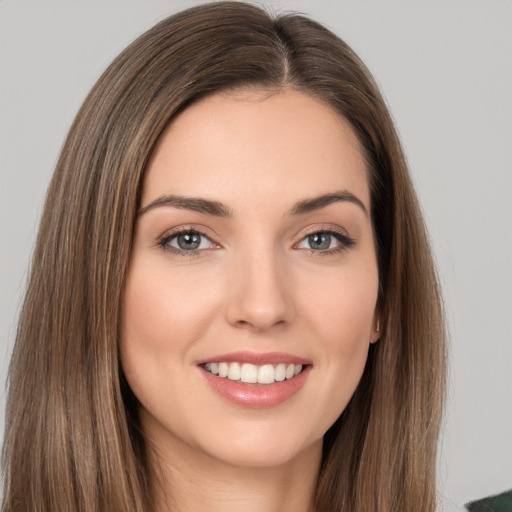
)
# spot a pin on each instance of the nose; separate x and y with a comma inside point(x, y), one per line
point(261, 294)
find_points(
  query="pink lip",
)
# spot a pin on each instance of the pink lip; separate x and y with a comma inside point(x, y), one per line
point(256, 358)
point(256, 396)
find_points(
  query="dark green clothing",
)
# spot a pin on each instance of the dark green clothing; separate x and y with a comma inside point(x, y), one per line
point(500, 503)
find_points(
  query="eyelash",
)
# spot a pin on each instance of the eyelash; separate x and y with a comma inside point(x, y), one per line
point(345, 242)
point(166, 239)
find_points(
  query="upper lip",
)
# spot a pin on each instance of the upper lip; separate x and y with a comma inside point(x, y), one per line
point(256, 358)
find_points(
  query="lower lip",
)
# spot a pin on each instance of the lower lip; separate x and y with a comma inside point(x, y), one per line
point(256, 396)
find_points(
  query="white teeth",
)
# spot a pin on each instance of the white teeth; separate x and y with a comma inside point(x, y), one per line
point(234, 371)
point(249, 373)
point(252, 374)
point(223, 369)
point(266, 374)
point(280, 372)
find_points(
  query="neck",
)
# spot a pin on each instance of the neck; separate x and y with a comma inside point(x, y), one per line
point(190, 481)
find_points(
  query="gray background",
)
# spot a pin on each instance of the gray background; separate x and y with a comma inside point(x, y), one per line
point(445, 69)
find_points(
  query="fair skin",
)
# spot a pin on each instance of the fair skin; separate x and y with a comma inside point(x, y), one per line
point(251, 271)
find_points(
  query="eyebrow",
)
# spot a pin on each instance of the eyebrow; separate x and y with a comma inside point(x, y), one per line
point(218, 209)
point(316, 203)
point(195, 204)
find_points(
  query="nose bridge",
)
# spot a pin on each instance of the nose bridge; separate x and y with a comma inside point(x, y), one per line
point(260, 291)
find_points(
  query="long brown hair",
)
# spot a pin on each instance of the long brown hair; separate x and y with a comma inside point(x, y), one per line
point(72, 439)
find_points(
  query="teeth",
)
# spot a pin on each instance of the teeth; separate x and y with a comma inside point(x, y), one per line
point(252, 374)
point(280, 373)
point(249, 373)
point(223, 369)
point(234, 371)
point(266, 374)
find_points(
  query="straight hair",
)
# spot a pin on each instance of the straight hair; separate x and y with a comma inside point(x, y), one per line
point(73, 440)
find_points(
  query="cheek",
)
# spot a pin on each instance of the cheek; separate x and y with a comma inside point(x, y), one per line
point(341, 315)
point(350, 318)
point(342, 306)
point(164, 311)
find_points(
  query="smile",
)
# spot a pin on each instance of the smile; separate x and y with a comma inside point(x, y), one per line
point(255, 380)
point(254, 374)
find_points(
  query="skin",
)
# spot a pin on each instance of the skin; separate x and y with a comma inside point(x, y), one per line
point(256, 285)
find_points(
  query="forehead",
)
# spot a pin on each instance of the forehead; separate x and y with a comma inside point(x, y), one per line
point(257, 143)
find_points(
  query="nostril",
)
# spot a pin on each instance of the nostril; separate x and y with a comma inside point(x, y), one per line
point(259, 296)
point(259, 325)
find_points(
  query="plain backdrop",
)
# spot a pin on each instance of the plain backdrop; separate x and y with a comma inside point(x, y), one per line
point(445, 69)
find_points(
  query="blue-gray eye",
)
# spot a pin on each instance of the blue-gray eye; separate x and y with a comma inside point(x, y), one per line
point(319, 241)
point(188, 241)
point(327, 242)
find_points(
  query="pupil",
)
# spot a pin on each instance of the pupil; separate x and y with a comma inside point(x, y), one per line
point(189, 241)
point(319, 241)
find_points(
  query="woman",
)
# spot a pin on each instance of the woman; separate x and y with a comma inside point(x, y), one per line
point(232, 301)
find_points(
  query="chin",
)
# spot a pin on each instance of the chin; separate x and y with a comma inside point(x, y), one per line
point(270, 455)
point(259, 444)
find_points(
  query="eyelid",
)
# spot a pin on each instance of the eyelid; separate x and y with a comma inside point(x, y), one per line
point(185, 228)
point(322, 228)
point(163, 240)
point(344, 239)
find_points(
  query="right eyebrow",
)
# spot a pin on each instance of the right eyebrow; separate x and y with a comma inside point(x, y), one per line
point(196, 204)
point(316, 203)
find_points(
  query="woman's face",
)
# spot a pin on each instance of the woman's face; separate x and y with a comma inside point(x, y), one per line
point(254, 257)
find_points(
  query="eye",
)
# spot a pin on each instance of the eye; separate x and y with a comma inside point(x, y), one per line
point(325, 241)
point(320, 241)
point(188, 241)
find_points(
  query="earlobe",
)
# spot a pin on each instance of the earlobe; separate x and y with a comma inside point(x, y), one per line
point(376, 333)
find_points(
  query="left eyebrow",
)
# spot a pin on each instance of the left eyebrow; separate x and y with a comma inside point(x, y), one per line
point(196, 204)
point(316, 203)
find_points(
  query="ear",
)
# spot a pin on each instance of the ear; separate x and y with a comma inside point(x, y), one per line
point(375, 333)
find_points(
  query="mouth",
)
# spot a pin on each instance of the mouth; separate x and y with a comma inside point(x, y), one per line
point(258, 381)
point(254, 374)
